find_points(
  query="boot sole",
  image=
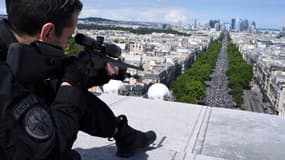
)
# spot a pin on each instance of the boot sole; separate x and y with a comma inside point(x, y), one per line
point(129, 154)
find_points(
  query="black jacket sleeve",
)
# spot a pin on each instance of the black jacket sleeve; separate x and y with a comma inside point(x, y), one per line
point(10, 90)
point(67, 109)
point(16, 143)
point(65, 112)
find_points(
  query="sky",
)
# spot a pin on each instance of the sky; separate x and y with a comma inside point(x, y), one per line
point(266, 14)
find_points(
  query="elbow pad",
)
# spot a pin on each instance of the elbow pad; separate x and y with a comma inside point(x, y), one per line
point(35, 62)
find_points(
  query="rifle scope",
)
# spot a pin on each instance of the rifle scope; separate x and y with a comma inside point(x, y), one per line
point(111, 50)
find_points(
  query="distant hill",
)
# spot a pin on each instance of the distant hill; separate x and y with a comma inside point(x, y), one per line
point(268, 29)
point(109, 21)
point(97, 19)
point(137, 27)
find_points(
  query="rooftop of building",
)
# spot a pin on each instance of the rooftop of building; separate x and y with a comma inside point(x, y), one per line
point(191, 132)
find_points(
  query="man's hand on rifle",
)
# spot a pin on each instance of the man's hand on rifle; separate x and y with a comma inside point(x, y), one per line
point(111, 69)
point(72, 75)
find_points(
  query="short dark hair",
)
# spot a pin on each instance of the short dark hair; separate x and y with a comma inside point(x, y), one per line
point(28, 16)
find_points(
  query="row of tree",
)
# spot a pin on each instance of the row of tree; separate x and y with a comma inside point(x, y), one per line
point(239, 73)
point(139, 30)
point(190, 87)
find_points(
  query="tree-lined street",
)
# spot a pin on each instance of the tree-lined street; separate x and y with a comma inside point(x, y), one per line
point(217, 91)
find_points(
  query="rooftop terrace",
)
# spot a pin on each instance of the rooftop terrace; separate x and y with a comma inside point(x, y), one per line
point(191, 132)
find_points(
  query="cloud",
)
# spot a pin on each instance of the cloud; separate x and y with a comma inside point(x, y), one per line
point(88, 13)
point(169, 15)
point(2, 10)
point(175, 16)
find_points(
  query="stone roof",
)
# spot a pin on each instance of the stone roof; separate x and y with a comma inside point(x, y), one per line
point(191, 132)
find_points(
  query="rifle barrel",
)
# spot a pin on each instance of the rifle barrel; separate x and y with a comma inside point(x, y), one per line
point(123, 64)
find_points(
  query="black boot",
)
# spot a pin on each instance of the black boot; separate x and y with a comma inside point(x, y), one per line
point(128, 140)
point(70, 155)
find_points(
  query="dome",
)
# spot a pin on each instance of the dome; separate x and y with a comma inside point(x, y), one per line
point(112, 86)
point(158, 91)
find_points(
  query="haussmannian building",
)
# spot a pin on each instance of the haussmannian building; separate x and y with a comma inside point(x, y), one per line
point(266, 53)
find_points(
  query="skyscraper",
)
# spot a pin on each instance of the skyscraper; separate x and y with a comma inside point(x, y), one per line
point(195, 24)
point(212, 23)
point(245, 25)
point(238, 24)
point(283, 29)
point(233, 24)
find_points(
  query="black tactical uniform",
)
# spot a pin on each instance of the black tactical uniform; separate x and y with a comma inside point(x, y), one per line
point(45, 118)
point(33, 126)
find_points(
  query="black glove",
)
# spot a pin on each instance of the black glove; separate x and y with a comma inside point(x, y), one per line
point(93, 68)
point(72, 74)
point(122, 74)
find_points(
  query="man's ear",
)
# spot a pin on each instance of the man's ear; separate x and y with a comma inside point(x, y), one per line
point(47, 32)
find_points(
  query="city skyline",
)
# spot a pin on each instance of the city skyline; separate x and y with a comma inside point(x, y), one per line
point(266, 14)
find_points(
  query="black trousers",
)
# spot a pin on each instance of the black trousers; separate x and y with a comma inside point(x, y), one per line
point(98, 120)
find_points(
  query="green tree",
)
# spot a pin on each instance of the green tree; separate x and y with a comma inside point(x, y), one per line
point(73, 48)
point(190, 87)
point(239, 73)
